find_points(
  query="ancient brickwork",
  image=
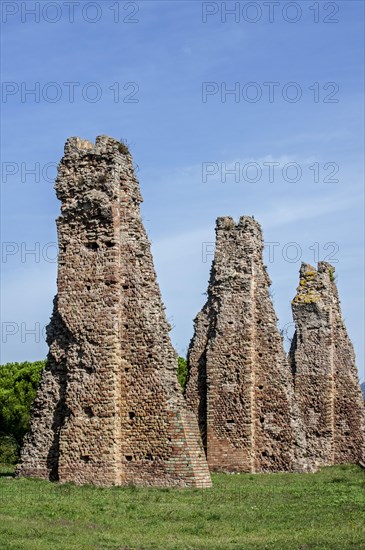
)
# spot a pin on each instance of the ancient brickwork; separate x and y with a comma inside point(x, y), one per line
point(109, 409)
point(239, 382)
point(326, 381)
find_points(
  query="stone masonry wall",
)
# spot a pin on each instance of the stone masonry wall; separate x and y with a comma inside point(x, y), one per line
point(326, 381)
point(239, 382)
point(109, 409)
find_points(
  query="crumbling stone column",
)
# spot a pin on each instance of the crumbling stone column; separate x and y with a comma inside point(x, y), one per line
point(109, 409)
point(239, 382)
point(326, 381)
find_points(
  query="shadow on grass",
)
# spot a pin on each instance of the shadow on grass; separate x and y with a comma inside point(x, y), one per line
point(7, 470)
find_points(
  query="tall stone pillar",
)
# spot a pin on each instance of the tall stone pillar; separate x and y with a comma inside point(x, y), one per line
point(239, 382)
point(109, 410)
point(326, 381)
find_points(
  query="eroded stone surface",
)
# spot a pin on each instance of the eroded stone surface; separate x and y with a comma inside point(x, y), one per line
point(239, 383)
point(109, 409)
point(326, 381)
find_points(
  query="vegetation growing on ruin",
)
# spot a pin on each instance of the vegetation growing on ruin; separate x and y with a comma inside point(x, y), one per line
point(331, 271)
point(321, 511)
point(307, 278)
point(123, 148)
point(305, 292)
point(309, 297)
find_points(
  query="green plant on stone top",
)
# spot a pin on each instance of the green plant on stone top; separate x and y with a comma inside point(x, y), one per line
point(123, 148)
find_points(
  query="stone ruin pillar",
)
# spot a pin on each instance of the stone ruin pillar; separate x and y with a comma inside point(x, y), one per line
point(239, 382)
point(326, 381)
point(109, 410)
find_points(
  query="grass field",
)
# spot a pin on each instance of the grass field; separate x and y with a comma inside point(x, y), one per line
point(325, 510)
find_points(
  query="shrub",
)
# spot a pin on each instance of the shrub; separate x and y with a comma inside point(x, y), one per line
point(182, 372)
point(18, 386)
point(9, 449)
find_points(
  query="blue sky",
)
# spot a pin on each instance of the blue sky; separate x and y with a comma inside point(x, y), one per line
point(177, 135)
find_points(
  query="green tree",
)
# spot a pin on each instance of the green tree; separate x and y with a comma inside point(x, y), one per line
point(182, 372)
point(18, 386)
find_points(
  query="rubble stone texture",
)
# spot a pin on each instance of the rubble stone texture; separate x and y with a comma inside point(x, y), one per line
point(109, 409)
point(326, 381)
point(239, 382)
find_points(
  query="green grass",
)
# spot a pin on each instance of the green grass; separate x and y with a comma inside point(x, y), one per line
point(325, 510)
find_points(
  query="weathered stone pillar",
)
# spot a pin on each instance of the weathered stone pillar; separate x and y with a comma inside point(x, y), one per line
point(109, 409)
point(326, 381)
point(239, 383)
